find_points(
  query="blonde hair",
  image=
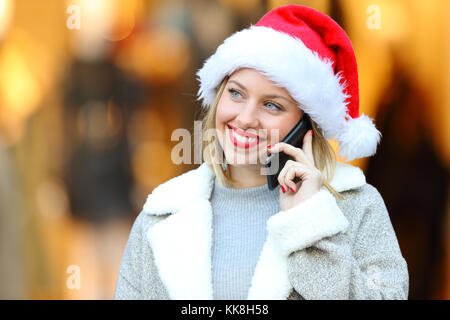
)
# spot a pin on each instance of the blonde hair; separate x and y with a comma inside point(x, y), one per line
point(324, 156)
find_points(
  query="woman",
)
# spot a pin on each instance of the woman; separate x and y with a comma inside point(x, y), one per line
point(219, 232)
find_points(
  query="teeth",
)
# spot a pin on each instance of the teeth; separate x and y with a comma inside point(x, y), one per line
point(243, 139)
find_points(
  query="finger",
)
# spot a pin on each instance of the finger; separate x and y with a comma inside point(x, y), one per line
point(296, 170)
point(282, 177)
point(282, 173)
point(307, 146)
point(297, 153)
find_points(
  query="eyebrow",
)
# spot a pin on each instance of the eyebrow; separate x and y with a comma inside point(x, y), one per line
point(267, 95)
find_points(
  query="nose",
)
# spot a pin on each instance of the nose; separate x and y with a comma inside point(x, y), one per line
point(247, 117)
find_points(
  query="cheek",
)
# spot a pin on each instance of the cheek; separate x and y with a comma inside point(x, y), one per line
point(279, 129)
point(225, 112)
point(223, 116)
point(274, 134)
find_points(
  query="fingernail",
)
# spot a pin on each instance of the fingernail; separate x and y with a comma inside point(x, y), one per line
point(268, 147)
point(291, 189)
point(282, 188)
point(312, 133)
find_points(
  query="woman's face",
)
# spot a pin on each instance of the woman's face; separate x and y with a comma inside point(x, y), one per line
point(254, 106)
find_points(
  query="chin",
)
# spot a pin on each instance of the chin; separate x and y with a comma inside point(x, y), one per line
point(244, 159)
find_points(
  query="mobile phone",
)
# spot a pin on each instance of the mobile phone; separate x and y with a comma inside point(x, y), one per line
point(275, 162)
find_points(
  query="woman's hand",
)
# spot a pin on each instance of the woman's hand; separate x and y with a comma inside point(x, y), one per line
point(303, 167)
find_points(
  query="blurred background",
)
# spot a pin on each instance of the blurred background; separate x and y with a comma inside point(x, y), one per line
point(91, 90)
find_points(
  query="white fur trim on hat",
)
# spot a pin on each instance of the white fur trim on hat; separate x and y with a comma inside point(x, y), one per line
point(359, 138)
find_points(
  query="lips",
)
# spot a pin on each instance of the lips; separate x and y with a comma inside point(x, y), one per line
point(242, 141)
point(241, 133)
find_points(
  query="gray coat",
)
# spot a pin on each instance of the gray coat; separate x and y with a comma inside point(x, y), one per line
point(322, 248)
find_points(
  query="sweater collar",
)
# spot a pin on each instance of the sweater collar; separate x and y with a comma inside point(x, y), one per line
point(198, 183)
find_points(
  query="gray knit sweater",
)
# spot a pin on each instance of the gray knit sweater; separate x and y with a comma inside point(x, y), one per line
point(322, 248)
point(239, 233)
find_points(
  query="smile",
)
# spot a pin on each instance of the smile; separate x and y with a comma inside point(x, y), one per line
point(241, 141)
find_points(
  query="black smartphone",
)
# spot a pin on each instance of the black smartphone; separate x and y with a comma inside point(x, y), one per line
point(295, 138)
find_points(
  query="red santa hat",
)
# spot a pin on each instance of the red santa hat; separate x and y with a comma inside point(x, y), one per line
point(310, 55)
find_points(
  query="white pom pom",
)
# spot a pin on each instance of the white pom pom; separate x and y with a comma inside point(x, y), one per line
point(359, 138)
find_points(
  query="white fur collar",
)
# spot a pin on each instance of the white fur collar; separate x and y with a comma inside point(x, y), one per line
point(181, 243)
point(198, 183)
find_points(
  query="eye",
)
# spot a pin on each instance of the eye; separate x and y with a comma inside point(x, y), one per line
point(234, 93)
point(274, 106)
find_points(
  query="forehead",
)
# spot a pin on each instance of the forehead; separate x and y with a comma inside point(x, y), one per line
point(251, 76)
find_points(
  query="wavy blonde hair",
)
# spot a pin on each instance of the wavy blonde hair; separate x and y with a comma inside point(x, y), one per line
point(324, 155)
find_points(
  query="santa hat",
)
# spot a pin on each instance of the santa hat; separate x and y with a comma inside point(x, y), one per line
point(309, 54)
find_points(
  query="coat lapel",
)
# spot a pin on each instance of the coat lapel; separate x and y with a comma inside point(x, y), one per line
point(181, 243)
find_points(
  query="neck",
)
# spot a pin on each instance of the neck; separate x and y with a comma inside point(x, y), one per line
point(247, 176)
